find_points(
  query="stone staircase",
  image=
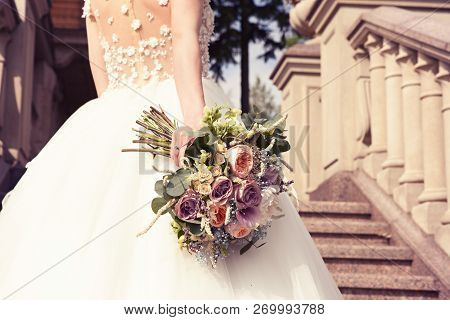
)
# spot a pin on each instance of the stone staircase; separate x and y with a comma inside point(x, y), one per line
point(365, 256)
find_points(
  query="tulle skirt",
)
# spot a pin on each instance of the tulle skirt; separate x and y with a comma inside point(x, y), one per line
point(68, 229)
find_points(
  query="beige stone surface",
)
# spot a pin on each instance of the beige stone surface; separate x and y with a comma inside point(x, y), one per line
point(406, 195)
point(442, 237)
point(443, 233)
point(377, 148)
point(393, 166)
point(433, 131)
point(298, 77)
point(384, 98)
point(428, 215)
point(362, 107)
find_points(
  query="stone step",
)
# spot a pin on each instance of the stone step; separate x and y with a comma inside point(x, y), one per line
point(362, 294)
point(335, 209)
point(369, 259)
point(341, 231)
point(367, 286)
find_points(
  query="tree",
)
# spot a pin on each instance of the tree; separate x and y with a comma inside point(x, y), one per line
point(241, 22)
point(262, 100)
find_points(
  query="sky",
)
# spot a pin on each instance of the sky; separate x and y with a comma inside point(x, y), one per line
point(258, 67)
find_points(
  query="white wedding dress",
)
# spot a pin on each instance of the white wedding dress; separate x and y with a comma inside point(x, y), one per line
point(68, 229)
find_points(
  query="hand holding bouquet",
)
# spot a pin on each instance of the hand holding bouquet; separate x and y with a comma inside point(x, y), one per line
point(225, 191)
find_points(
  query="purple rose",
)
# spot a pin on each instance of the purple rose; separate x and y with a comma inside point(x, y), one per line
point(249, 217)
point(221, 190)
point(248, 194)
point(271, 176)
point(188, 206)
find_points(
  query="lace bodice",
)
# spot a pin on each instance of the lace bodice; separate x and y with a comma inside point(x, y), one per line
point(136, 39)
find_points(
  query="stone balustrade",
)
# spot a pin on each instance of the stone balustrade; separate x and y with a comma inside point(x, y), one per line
point(384, 107)
point(409, 149)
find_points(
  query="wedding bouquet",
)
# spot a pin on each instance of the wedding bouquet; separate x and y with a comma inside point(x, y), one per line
point(225, 191)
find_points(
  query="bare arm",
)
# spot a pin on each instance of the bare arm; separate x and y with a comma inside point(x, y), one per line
point(186, 23)
point(96, 61)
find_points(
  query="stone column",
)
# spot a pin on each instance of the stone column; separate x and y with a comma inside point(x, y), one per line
point(392, 168)
point(362, 106)
point(411, 181)
point(377, 150)
point(442, 235)
point(433, 198)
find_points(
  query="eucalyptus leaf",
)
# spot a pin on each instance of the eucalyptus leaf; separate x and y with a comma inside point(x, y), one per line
point(158, 203)
point(178, 183)
point(159, 188)
point(175, 188)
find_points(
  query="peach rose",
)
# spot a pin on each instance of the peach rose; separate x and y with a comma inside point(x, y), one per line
point(217, 214)
point(237, 230)
point(240, 158)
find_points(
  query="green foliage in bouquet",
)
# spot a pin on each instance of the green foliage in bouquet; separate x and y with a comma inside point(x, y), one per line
point(226, 189)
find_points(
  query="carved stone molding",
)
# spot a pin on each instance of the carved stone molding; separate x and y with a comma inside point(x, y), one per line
point(428, 36)
point(323, 11)
point(299, 59)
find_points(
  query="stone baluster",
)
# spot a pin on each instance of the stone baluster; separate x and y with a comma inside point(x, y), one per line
point(411, 181)
point(433, 198)
point(362, 104)
point(392, 167)
point(442, 235)
point(377, 150)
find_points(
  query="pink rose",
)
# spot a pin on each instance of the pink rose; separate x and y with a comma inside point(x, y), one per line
point(240, 158)
point(237, 230)
point(221, 190)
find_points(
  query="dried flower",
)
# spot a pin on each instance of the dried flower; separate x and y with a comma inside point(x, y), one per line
point(216, 171)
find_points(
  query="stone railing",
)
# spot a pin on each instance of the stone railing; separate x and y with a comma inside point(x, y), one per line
point(382, 104)
point(404, 123)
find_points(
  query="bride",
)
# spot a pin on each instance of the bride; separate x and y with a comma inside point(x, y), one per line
point(67, 231)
